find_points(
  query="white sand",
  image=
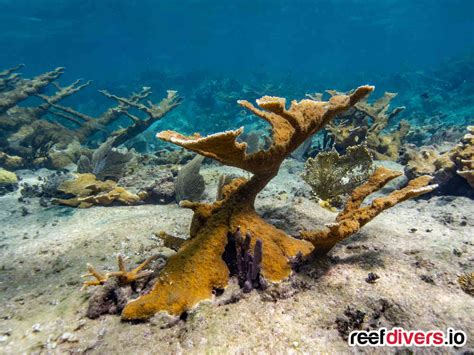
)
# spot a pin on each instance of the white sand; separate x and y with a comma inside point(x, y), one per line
point(43, 254)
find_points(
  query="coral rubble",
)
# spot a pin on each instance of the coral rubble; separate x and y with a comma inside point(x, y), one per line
point(87, 191)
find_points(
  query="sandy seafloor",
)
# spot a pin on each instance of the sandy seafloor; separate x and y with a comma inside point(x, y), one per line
point(417, 248)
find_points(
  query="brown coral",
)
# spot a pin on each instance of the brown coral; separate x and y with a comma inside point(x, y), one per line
point(464, 157)
point(353, 217)
point(466, 281)
point(197, 268)
point(459, 161)
point(88, 191)
point(124, 277)
point(365, 123)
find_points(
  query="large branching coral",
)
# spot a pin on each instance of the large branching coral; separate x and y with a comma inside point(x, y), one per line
point(31, 134)
point(197, 269)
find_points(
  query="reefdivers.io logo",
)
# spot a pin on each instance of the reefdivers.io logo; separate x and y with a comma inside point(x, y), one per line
point(402, 337)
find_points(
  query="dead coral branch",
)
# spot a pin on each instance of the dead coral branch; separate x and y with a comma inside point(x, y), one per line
point(30, 133)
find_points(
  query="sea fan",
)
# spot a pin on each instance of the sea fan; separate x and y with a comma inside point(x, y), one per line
point(106, 162)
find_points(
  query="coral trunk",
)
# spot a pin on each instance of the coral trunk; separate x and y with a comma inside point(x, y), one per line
point(197, 269)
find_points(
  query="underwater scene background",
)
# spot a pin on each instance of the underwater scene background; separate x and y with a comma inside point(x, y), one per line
point(120, 138)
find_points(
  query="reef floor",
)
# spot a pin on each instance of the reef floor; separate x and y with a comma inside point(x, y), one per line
point(417, 249)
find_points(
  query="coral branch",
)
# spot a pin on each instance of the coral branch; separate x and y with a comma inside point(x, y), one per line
point(61, 93)
point(27, 88)
point(220, 146)
point(10, 71)
point(124, 277)
point(8, 77)
point(127, 277)
point(353, 217)
point(153, 111)
point(99, 277)
point(365, 122)
point(290, 129)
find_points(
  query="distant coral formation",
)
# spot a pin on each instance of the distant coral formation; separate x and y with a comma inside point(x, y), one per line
point(8, 181)
point(29, 138)
point(365, 123)
point(198, 268)
point(447, 167)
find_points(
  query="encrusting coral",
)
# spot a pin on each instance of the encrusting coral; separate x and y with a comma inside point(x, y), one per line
point(197, 269)
point(8, 181)
point(466, 281)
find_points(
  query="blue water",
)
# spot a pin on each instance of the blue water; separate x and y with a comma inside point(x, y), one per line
point(299, 46)
point(116, 39)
